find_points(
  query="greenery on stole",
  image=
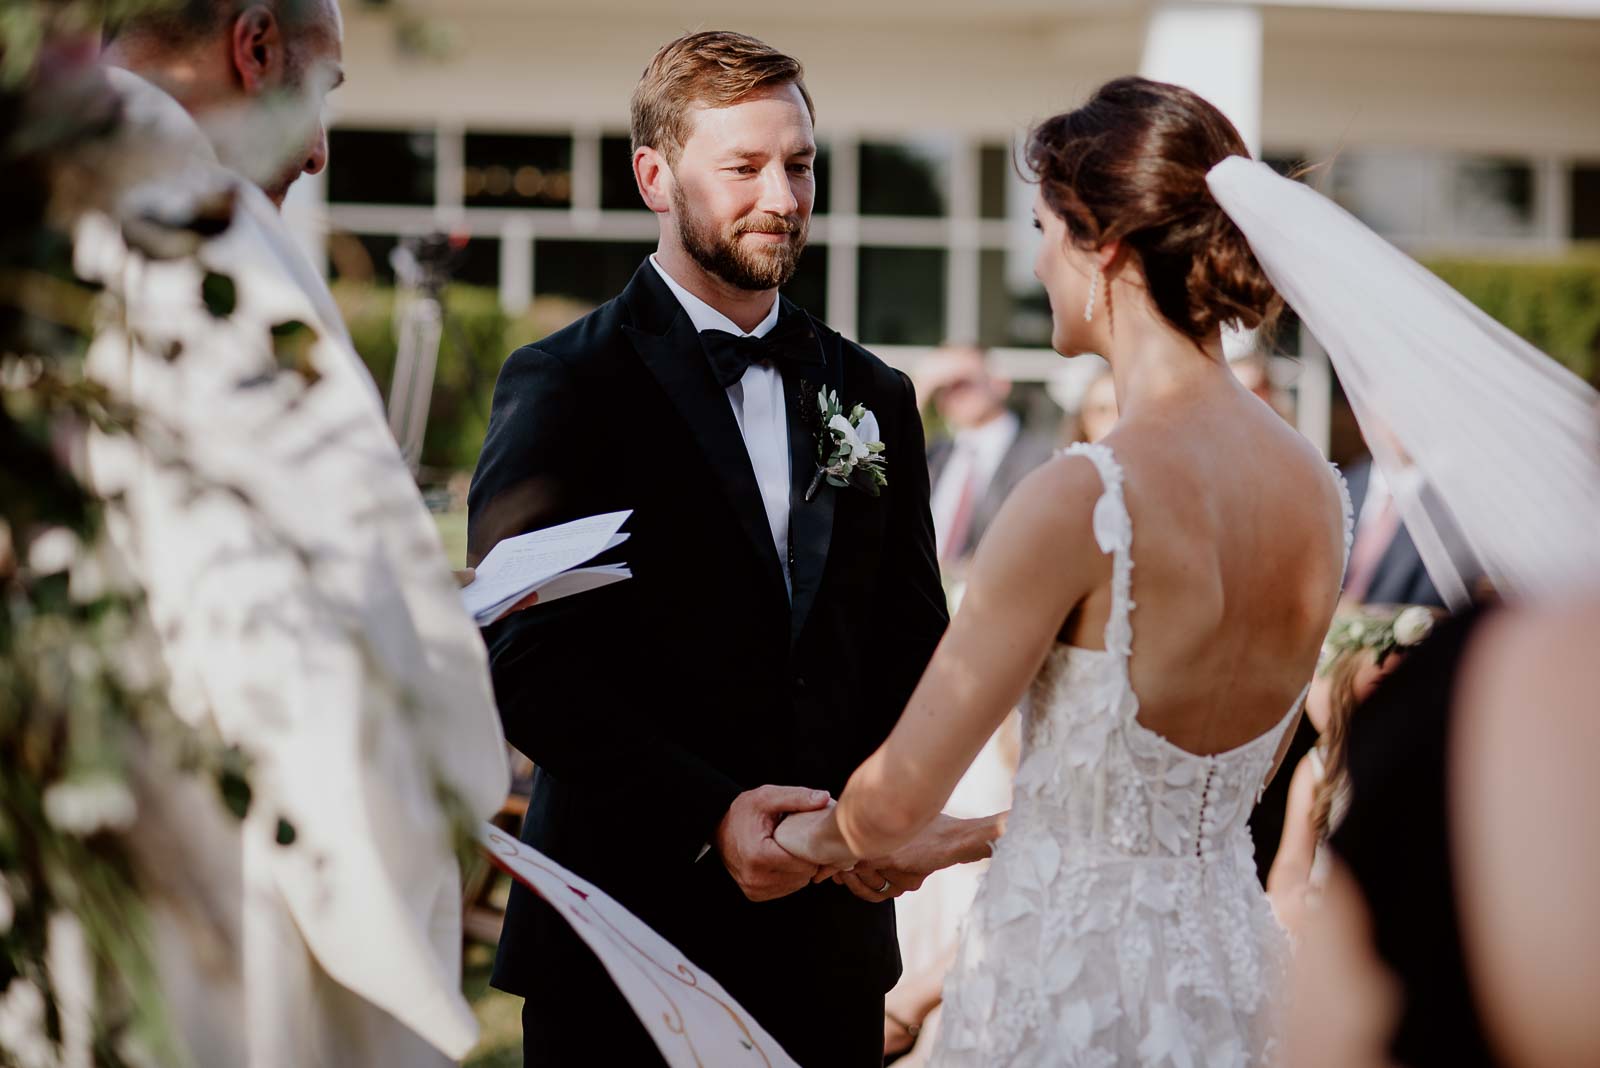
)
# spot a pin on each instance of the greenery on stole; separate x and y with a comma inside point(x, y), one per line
point(84, 718)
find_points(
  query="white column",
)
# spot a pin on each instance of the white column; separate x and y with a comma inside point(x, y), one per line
point(962, 268)
point(1214, 49)
point(586, 179)
point(449, 171)
point(1552, 201)
point(516, 265)
point(844, 233)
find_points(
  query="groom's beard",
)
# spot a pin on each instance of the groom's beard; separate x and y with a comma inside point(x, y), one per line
point(742, 264)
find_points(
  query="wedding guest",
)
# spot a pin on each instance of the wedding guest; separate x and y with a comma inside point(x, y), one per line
point(297, 590)
point(984, 454)
point(1097, 414)
point(1385, 566)
point(1360, 651)
point(1458, 924)
point(1086, 393)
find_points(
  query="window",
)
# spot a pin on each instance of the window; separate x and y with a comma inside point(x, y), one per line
point(995, 177)
point(1409, 195)
point(809, 286)
point(902, 296)
point(589, 271)
point(1395, 193)
point(822, 171)
point(517, 170)
point(618, 190)
point(381, 166)
point(1585, 192)
point(478, 263)
point(910, 178)
point(1492, 198)
point(1288, 164)
point(1013, 309)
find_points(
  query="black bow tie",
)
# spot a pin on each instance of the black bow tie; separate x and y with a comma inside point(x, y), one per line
point(790, 341)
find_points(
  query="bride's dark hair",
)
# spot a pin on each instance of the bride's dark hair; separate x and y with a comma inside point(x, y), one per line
point(1131, 165)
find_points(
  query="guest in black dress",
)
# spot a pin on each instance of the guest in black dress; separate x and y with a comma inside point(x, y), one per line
point(1469, 858)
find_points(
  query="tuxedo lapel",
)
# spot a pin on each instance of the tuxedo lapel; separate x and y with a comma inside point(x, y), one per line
point(669, 346)
point(810, 522)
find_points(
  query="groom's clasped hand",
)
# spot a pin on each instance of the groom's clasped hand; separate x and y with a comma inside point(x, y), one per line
point(747, 840)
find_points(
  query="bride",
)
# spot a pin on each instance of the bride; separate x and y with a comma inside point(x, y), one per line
point(1121, 920)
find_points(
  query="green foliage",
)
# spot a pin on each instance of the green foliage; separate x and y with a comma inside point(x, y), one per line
point(292, 343)
point(477, 338)
point(1554, 303)
point(220, 294)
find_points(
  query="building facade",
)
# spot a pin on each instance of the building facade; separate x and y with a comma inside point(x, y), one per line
point(1465, 127)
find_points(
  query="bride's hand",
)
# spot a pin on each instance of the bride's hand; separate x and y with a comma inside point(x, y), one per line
point(814, 837)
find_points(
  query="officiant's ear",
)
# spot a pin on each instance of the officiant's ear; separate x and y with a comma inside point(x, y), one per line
point(258, 47)
point(654, 177)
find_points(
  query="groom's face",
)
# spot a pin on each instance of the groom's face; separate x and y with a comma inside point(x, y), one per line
point(743, 188)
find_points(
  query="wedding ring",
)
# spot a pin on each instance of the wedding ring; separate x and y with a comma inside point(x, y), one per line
point(882, 888)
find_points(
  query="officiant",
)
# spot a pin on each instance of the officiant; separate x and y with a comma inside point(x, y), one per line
point(298, 593)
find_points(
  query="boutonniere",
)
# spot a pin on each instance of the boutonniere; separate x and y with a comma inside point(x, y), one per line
point(848, 450)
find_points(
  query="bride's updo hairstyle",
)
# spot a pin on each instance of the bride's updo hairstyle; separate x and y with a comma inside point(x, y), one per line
point(1131, 165)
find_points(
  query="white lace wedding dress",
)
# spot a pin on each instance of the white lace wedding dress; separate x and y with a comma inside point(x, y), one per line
point(1120, 922)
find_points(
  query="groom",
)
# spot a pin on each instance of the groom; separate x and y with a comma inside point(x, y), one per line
point(773, 629)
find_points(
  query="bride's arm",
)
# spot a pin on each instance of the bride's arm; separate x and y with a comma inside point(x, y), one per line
point(1037, 561)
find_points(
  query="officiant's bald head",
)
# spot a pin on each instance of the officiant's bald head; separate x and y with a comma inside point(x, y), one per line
point(252, 72)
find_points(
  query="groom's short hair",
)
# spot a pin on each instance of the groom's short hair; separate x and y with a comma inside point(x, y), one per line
point(713, 68)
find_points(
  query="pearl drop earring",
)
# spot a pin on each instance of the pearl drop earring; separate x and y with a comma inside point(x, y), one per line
point(1094, 286)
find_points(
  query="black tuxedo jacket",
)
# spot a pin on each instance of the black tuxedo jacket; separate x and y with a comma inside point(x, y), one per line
point(650, 704)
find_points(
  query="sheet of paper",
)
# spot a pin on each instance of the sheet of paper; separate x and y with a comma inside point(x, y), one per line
point(518, 566)
point(578, 580)
point(693, 1019)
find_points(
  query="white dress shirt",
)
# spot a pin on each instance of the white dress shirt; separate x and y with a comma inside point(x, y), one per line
point(975, 456)
point(758, 406)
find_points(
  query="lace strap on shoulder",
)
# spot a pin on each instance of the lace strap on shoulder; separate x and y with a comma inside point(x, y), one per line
point(1113, 531)
point(1349, 511)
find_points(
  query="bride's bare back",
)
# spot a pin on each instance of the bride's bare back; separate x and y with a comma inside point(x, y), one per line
point(1238, 549)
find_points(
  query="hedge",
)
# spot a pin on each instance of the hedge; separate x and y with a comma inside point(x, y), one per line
point(477, 338)
point(1555, 303)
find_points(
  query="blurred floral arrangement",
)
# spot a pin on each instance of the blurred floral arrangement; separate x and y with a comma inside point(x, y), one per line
point(84, 718)
point(82, 706)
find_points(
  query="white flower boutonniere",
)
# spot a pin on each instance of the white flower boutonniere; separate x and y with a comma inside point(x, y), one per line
point(848, 450)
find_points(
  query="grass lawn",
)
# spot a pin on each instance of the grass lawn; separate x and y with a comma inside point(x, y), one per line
point(499, 1014)
point(453, 529)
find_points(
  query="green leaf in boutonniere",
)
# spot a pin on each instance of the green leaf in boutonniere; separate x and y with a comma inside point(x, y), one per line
point(849, 452)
